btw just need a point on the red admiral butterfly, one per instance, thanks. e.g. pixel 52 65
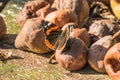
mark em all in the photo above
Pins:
pixel 55 37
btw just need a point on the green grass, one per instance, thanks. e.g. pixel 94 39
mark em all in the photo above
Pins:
pixel 10 13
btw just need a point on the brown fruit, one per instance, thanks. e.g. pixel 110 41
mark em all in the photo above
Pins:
pixel 107 2
pixel 98 11
pixel 115 6
pixel 82 34
pixel 61 17
pixel 112 62
pixel 74 55
pixel 33 9
pixel 80 7
pixel 2 27
pixel 102 28
pixel 31 37
pixel 101 11
pixel 97 51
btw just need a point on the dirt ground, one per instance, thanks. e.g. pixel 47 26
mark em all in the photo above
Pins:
pixel 24 65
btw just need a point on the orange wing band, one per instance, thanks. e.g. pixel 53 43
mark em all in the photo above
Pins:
pixel 51 29
pixel 49 45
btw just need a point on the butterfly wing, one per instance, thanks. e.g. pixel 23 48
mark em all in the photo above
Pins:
pixel 51 33
pixel 63 38
pixel 55 38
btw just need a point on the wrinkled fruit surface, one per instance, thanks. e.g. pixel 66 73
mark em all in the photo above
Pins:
pixel 112 62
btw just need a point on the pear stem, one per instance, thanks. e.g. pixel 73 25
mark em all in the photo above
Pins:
pixel 116 35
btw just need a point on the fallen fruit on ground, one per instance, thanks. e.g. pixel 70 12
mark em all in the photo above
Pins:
pixel 83 34
pixel 107 2
pixel 98 50
pixel 102 28
pixel 34 9
pixel 112 62
pixel 31 37
pixel 74 55
pixel 62 17
pixel 3 27
pixel 80 7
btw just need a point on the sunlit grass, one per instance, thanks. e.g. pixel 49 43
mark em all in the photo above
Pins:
pixel 10 13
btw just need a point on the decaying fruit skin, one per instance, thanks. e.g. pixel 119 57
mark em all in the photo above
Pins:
pixel 80 7
pixel 102 28
pixel 73 56
pixel 31 37
pixel 40 8
pixel 115 6
pixel 112 62
pixel 78 32
pixel 97 52
pixel 34 9
pixel 61 17
pixel 83 34
pixel 107 2
pixel 2 27
pixel 37 4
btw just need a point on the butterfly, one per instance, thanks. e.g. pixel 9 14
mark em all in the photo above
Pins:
pixel 55 37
